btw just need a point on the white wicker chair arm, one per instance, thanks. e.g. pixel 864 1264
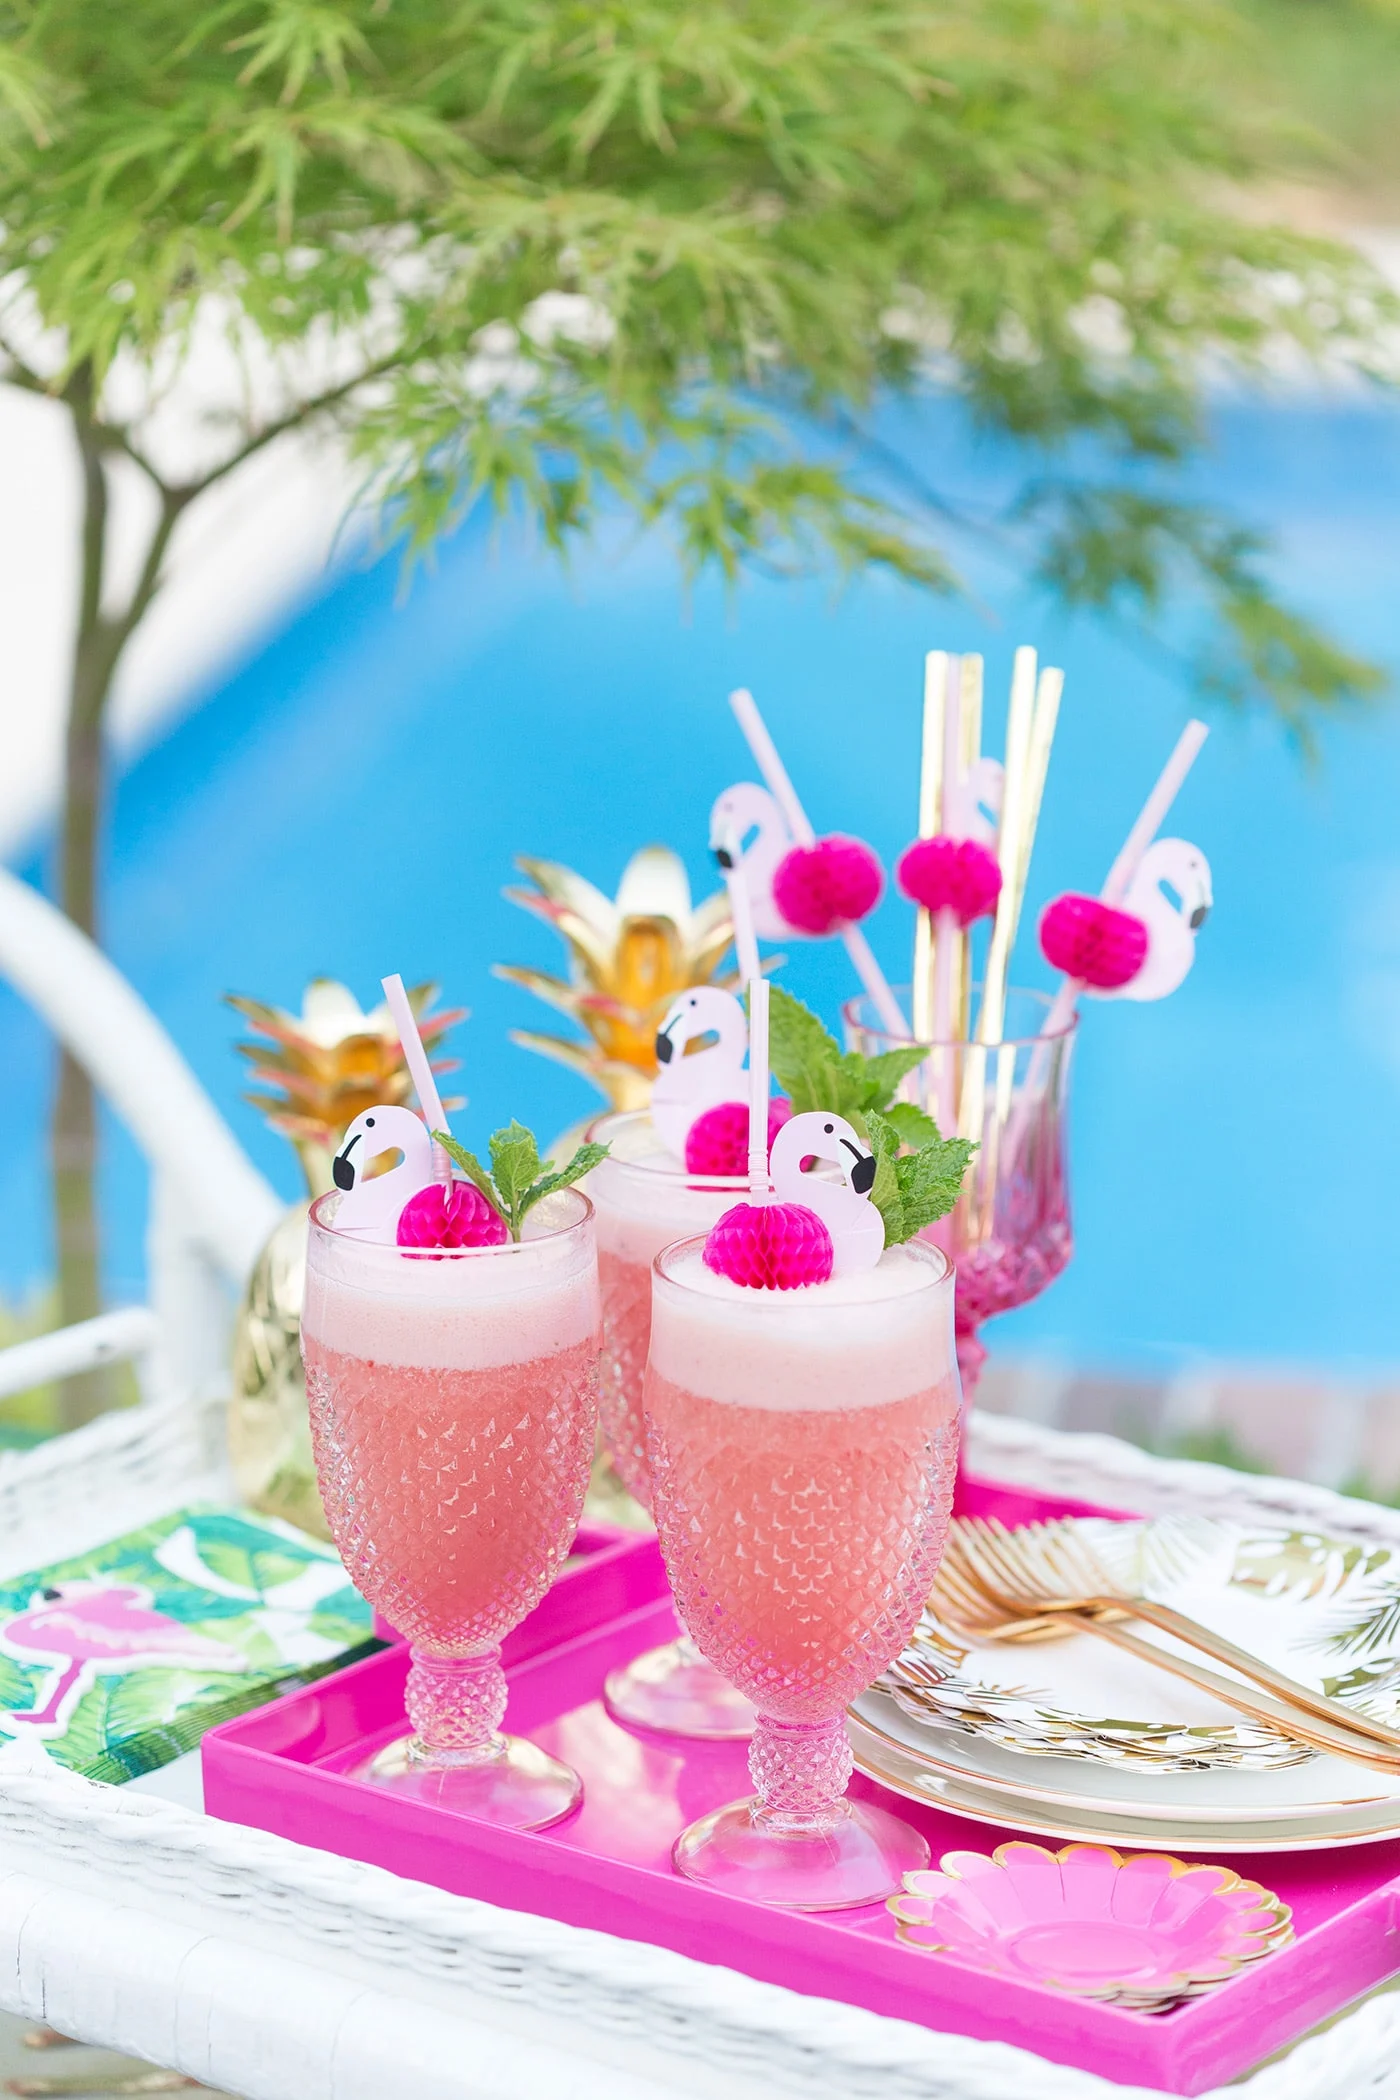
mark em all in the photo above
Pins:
pixel 113 1338
pixel 114 1035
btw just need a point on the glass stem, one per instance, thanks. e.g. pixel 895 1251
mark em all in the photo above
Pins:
pixel 800 1769
pixel 456 1705
pixel 972 1354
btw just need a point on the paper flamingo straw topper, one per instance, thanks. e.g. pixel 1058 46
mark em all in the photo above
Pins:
pixel 796 1229
pixel 416 1203
pixel 1137 938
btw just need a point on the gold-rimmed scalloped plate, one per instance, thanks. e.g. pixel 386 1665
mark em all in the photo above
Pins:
pixel 919 1775
pixel 1325 1611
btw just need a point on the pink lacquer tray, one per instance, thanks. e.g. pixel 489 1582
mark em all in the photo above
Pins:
pixel 282 1768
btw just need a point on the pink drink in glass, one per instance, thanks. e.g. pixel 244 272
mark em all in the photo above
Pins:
pixel 803 1448
pixel 645 1199
pixel 453 1399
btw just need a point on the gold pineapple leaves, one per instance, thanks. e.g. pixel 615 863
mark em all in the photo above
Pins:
pixel 321 1068
pixel 629 958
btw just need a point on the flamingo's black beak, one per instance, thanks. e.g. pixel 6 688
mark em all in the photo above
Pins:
pixel 342 1171
pixel 863 1175
pixel 50 1596
pixel 665 1049
pixel 1199 916
pixel 724 856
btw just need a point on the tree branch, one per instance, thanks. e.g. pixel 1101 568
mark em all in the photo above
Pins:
pixel 118 439
pixel 20 374
pixel 173 504
pixel 305 412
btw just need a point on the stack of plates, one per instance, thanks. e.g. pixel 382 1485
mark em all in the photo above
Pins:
pixel 1075 1739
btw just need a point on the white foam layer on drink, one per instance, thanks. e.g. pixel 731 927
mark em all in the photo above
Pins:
pixel 643 1195
pixel 477 1309
pixel 635 1224
pixel 858 1341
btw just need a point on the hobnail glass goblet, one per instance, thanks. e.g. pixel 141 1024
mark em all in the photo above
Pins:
pixel 454 1403
pixel 803 1445
pixel 645 1198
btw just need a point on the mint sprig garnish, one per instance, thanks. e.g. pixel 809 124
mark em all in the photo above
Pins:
pixel 519 1178
pixel 913 1188
pixel 815 1072
pixel 918 1173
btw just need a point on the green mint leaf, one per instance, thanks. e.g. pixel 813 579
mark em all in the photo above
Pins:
pixel 912 1189
pixel 930 1180
pixel 802 1057
pixel 915 1126
pixel 515 1165
pixel 814 1072
pixel 471 1166
pixel 795 1036
pixel 886 1071
pixel 518 1184
pixel 583 1162
pixel 885 1191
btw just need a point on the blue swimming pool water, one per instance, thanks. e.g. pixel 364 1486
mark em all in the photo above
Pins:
pixel 349 801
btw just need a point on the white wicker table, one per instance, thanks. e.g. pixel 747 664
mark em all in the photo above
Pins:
pixel 279 1972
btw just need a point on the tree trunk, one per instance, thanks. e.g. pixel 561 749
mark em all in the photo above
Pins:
pixel 100 639
pixel 73 1132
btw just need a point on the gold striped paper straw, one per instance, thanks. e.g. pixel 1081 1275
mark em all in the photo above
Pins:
pixel 992 1013
pixel 930 812
pixel 970 750
pixel 1049 689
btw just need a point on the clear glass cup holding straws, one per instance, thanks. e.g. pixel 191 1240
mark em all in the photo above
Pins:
pixel 645 1199
pixel 1009 1235
pixel 803 1447
pixel 454 1403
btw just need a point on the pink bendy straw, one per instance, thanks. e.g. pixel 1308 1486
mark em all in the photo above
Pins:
pixel 760 1175
pixel 725 847
pixel 780 787
pixel 1119 879
pixel 420 1071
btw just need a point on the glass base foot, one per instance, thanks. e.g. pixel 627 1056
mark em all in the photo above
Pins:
pixel 862 1858
pixel 674 1691
pixel 519 1787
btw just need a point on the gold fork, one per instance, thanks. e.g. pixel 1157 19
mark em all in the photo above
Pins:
pixel 997 1584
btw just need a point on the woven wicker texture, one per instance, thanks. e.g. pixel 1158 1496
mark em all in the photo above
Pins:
pixel 280 1973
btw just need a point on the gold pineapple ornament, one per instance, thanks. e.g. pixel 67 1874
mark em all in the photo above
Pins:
pixel 316 1071
pixel 629 958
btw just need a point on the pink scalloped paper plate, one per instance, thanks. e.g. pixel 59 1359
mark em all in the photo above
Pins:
pixel 1144 1931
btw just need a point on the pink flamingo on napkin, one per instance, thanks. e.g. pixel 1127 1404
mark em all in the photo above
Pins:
pixel 111 1626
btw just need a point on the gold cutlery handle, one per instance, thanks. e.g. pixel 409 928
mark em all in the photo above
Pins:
pixel 1214 1644
pixel 1259 1705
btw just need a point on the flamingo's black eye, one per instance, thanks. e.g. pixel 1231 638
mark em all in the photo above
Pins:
pixel 369 1122
pixel 50 1596
pixel 828 1128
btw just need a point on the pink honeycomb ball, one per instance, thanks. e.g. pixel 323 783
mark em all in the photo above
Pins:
pixel 459 1217
pixel 956 875
pixel 1088 939
pixel 718 1141
pixel 770 1246
pixel 832 883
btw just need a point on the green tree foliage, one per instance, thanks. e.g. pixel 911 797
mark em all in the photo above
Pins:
pixel 565 254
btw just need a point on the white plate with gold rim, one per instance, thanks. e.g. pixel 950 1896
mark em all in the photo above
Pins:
pixel 917 1776
pixel 1325 1612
